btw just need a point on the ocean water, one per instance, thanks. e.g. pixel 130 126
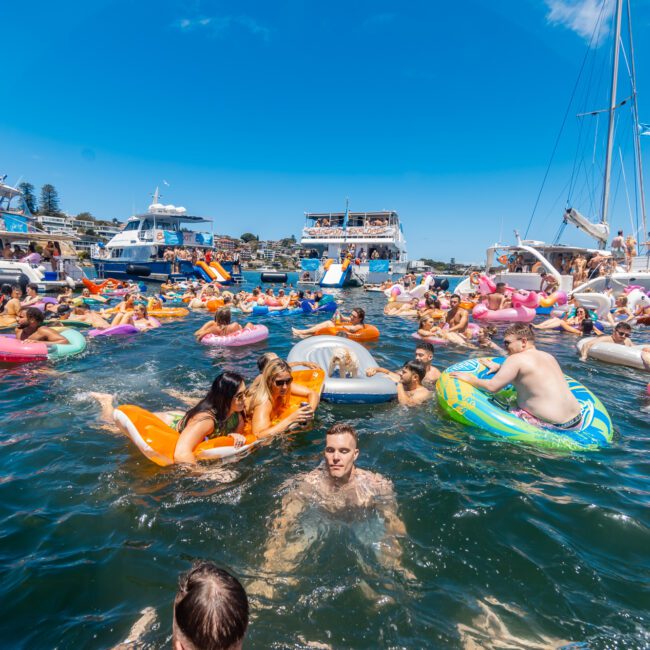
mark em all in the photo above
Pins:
pixel 510 546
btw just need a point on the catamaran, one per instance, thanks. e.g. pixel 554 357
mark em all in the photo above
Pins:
pixel 352 248
pixel 138 251
pixel 530 252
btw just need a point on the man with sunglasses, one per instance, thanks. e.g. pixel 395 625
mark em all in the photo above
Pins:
pixel 543 395
pixel 621 336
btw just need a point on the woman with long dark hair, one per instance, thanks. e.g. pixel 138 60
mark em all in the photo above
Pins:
pixel 219 413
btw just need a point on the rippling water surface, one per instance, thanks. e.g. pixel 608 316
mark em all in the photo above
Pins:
pixel 510 545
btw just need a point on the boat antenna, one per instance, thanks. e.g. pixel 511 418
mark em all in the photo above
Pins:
pixel 612 108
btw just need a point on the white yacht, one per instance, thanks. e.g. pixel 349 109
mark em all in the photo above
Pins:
pixel 352 248
pixel 18 229
pixel 138 250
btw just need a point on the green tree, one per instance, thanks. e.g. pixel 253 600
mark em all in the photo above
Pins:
pixel 91 232
pixel 49 203
pixel 249 237
pixel 27 190
pixel 85 216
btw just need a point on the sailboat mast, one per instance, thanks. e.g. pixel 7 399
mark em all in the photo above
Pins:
pixel 612 108
pixel 635 113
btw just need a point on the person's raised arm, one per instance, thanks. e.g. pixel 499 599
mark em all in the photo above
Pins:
pixel 262 426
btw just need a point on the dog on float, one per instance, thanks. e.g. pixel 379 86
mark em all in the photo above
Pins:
pixel 345 361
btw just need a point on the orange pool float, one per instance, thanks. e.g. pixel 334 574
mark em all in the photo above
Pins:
pixel 213 304
pixel 157 441
pixel 368 333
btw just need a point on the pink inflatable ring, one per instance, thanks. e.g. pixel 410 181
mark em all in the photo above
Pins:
pixel 244 337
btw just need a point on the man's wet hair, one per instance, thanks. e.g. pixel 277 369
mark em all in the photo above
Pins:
pixel 32 313
pixel 210 608
pixel 341 428
pixel 361 313
pixel 623 327
pixel 416 367
pixel 426 346
pixel 520 331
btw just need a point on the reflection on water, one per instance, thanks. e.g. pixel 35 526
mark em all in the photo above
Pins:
pixel 509 546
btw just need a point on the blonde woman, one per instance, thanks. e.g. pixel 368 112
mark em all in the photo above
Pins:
pixel 269 397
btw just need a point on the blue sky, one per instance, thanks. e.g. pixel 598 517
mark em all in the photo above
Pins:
pixel 255 112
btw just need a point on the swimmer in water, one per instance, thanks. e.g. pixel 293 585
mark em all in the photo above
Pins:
pixel 410 391
pixel 30 328
pixel 83 314
pixel 337 487
pixel 424 352
pixel 498 299
pixel 457 319
pixel 543 395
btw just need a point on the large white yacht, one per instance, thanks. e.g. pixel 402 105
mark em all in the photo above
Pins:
pixel 352 248
pixel 18 231
pixel 138 250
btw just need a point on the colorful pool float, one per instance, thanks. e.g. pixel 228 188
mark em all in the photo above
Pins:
pixel 14 351
pixel 157 441
pixel 473 407
pixel 366 333
pixel 244 337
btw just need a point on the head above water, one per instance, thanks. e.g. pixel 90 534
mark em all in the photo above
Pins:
pixel 518 337
pixel 341 451
pixel 424 352
pixel 358 314
pixel 30 316
pixel 222 316
pixel 210 610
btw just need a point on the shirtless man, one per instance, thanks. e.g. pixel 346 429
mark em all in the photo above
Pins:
pixel 410 391
pixel 30 328
pixel 9 315
pixel 337 487
pixel 457 318
pixel 402 308
pixel 620 335
pixel 543 395
pixel 498 299
pixel 353 323
pixel 424 355
pixel 32 296
pixel 83 314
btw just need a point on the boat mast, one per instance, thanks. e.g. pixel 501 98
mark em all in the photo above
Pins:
pixel 612 108
pixel 635 113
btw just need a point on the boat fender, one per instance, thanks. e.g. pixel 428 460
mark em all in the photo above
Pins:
pixel 274 277
pixel 138 269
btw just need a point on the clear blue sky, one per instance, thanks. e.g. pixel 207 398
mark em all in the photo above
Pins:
pixel 257 111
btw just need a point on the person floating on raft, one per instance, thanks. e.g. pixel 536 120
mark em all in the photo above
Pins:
pixel 543 395
pixel 345 325
pixel 222 325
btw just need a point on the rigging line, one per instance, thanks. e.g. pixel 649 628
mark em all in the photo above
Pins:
pixel 627 194
pixel 566 115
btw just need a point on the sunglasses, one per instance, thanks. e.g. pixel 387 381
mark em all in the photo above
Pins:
pixel 509 343
pixel 623 335
pixel 283 382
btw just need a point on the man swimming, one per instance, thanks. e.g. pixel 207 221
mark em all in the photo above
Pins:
pixel 457 318
pixel 410 391
pixel 30 327
pixel 543 395
pixel 423 354
pixel 337 488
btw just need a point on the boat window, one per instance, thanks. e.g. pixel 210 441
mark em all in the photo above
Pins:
pixel 146 224
pixel 132 225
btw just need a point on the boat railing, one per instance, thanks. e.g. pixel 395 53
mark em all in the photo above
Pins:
pixel 373 232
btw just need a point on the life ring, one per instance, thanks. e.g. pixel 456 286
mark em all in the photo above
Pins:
pixel 503 259
pixel 474 278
